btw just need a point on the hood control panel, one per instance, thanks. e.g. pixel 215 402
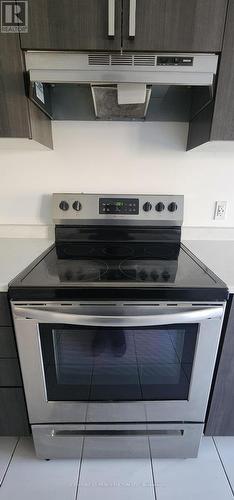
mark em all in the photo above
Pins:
pixel 174 61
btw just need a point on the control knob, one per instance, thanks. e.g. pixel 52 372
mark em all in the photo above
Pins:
pixel 160 207
pixel 147 206
pixel 77 206
pixel 64 205
pixel 165 275
pixel 154 275
pixel 172 207
pixel 143 275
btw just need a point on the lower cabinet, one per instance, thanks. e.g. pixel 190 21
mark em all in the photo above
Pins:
pixel 10 373
pixel 220 416
pixel 13 412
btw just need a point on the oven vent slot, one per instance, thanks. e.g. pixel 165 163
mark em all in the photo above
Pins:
pixel 29 304
pixel 98 304
pixel 202 304
pixel 111 433
pixel 142 305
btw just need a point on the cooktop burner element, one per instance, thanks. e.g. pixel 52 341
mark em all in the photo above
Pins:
pixel 139 270
pixel 85 270
pixel 121 247
pixel 149 270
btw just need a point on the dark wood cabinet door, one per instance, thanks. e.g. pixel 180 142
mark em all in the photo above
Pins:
pixel 176 25
pixel 220 418
pixel 13 412
pixel 19 117
pixel 5 314
pixel 223 119
pixel 71 25
pixel 14 120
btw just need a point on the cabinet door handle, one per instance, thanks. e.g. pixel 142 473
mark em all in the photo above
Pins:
pixel 132 18
pixel 111 18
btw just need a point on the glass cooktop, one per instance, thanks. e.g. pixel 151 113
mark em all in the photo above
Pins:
pixel 180 271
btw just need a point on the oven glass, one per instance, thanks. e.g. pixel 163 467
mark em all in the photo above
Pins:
pixel 118 364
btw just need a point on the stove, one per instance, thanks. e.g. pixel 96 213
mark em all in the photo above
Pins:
pixel 122 323
pixel 121 246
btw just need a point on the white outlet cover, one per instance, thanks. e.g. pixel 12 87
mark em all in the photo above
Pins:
pixel 220 210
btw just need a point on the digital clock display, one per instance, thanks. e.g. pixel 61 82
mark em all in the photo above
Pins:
pixel 124 206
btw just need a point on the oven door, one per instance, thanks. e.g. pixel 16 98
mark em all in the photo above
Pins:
pixel 117 363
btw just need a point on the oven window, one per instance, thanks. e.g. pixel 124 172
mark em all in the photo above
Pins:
pixel 118 364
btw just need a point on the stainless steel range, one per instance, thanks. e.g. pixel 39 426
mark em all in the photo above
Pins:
pixel 117 327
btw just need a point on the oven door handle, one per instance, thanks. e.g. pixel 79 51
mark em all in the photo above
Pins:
pixel 162 318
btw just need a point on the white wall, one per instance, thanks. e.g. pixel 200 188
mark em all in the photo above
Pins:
pixel 115 157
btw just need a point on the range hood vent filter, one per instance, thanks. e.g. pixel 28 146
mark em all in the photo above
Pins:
pixel 105 98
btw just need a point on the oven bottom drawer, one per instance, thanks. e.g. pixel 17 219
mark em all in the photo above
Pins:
pixel 166 440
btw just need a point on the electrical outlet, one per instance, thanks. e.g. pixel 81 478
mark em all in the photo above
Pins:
pixel 220 210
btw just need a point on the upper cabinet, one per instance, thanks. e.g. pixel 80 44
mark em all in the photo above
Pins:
pixel 174 25
pixel 223 118
pixel 134 25
pixel 73 25
pixel 13 108
pixel 215 122
pixel 19 117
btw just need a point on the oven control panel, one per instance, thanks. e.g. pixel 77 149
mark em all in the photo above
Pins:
pixel 81 208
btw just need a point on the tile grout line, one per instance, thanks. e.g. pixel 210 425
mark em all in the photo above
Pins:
pixel 152 470
pixel 10 460
pixel 223 466
pixel 79 471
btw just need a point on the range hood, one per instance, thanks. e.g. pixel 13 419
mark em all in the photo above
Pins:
pixel 70 85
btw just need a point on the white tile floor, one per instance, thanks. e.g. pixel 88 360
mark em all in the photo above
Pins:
pixel 24 477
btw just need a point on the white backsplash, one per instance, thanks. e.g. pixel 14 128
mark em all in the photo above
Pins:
pixel 114 157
